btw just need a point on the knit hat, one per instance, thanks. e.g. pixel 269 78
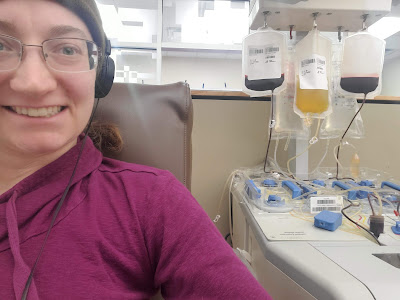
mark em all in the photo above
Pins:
pixel 88 12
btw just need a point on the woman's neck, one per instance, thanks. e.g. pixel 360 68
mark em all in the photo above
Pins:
pixel 14 166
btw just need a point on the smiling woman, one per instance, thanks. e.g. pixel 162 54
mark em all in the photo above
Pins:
pixel 74 224
pixel 32 84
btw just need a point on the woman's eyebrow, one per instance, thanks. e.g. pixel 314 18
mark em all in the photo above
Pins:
pixel 8 28
pixel 63 30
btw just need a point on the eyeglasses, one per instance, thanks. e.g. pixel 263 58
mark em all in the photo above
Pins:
pixel 70 55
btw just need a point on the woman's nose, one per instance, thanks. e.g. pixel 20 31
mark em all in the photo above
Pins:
pixel 33 78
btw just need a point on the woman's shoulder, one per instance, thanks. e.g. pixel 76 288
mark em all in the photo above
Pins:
pixel 133 189
pixel 131 179
pixel 127 170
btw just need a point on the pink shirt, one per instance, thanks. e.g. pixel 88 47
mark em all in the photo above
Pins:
pixel 124 231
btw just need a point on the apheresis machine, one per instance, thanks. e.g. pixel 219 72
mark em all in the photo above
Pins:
pixel 333 232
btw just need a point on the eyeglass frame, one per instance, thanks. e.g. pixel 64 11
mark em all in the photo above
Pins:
pixel 44 56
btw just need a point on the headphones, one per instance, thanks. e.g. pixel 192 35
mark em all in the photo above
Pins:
pixel 105 77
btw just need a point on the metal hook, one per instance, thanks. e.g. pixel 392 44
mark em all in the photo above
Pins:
pixel 266 13
pixel 291 31
pixel 340 33
pixel 315 15
pixel 364 17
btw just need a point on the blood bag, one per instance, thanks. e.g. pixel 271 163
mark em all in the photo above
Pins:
pixel 313 67
pixel 362 63
pixel 263 62
pixel 287 123
pixel 343 110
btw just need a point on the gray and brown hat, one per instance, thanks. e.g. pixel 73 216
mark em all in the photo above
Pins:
pixel 88 12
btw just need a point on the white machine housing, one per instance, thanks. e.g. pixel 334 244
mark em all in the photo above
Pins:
pixel 332 14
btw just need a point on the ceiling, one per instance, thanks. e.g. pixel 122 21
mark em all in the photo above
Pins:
pixel 392 43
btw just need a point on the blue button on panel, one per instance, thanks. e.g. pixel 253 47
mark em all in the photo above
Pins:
pixel 294 188
pixel 269 183
pixel 319 182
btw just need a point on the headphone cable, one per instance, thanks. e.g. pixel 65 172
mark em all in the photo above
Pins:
pixel 58 208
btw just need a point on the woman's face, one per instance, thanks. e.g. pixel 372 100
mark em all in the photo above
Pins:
pixel 34 86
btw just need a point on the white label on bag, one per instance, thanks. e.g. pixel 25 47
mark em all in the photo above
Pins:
pixel 350 103
pixel 330 203
pixel 264 62
pixel 313 73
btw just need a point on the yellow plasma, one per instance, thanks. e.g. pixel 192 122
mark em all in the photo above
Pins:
pixel 311 101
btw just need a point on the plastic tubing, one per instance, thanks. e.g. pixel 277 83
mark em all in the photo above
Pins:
pixel 288 141
pixel 358 211
pixel 309 146
pixel 343 144
pixel 364 188
pixel 276 161
pixel 334 154
pixel 391 204
pixel 230 182
pixel 323 157
pixel 380 202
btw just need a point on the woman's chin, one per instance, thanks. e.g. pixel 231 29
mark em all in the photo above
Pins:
pixel 45 144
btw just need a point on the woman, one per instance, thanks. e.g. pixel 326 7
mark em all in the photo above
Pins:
pixel 124 230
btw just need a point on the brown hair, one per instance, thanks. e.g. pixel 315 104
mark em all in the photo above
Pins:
pixel 106 137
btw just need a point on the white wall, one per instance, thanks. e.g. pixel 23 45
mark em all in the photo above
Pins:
pixel 213 72
pixel 391 78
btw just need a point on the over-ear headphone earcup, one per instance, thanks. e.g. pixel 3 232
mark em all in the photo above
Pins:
pixel 91 62
pixel 105 78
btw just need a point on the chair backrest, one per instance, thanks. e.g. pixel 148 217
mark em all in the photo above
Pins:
pixel 156 125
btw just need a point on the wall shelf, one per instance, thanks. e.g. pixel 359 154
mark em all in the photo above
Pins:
pixel 238 95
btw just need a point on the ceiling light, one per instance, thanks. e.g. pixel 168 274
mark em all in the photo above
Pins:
pixel 111 20
pixel 385 27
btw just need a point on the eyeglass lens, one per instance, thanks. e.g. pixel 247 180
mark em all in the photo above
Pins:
pixel 61 54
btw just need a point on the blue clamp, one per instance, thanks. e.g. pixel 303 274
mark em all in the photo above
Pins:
pixel 252 190
pixel 319 182
pixel 306 189
pixel 391 198
pixel 366 183
pixel 360 193
pixel 352 195
pixel 269 183
pixel 396 229
pixel 391 185
pixel 274 200
pixel 294 188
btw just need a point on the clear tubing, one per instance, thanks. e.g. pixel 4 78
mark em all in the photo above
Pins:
pixel 323 157
pixel 344 134
pixel 276 161
pixel 391 204
pixel 334 154
pixel 288 141
pixel 315 137
pixel 276 149
pixel 380 203
pixel 271 127
pixel 218 216
pixel 364 188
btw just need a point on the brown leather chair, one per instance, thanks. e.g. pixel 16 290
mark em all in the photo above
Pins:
pixel 156 125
